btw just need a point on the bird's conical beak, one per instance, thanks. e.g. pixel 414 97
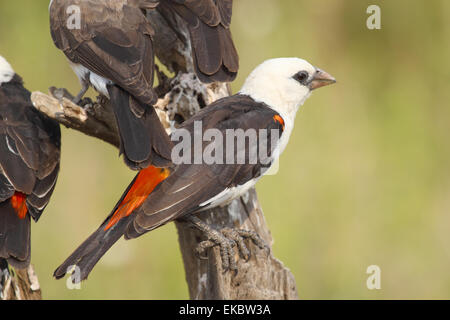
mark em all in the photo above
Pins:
pixel 321 79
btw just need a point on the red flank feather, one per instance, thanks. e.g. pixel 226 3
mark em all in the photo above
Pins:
pixel 145 183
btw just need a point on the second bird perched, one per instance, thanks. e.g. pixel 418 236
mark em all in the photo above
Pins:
pixel 30 145
pixel 112 50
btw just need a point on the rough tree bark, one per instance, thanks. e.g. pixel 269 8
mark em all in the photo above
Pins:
pixel 19 284
pixel 262 276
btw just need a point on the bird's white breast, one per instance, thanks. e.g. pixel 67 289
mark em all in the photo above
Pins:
pixel 228 195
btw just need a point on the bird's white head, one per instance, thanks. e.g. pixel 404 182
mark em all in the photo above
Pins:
pixel 284 84
pixel 6 71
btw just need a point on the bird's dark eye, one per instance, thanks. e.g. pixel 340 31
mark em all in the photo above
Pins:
pixel 302 77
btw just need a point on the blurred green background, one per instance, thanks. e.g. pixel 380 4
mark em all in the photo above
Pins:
pixel 365 179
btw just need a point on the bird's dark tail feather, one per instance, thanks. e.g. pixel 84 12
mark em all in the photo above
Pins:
pixel 15 244
pixel 86 256
pixel 144 141
pixel 90 251
pixel 215 56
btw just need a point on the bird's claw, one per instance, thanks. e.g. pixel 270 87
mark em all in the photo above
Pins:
pixel 202 247
pixel 227 239
pixel 85 103
pixel 256 239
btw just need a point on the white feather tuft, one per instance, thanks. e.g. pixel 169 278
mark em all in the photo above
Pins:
pixel 6 71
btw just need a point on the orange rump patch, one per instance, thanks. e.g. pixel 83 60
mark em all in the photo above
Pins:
pixel 279 119
pixel 19 203
pixel 145 183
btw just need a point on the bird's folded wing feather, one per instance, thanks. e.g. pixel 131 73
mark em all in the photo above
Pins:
pixel 191 186
pixel 29 154
pixel 114 41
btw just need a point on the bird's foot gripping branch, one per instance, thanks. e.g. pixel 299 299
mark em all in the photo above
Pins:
pixel 227 239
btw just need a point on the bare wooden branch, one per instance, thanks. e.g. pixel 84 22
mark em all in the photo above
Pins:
pixel 94 119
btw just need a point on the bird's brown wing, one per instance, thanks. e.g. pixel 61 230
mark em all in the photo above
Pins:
pixel 213 50
pixel 205 10
pixel 114 41
pixel 29 166
pixel 211 12
pixel 226 11
pixel 191 187
pixel 29 151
